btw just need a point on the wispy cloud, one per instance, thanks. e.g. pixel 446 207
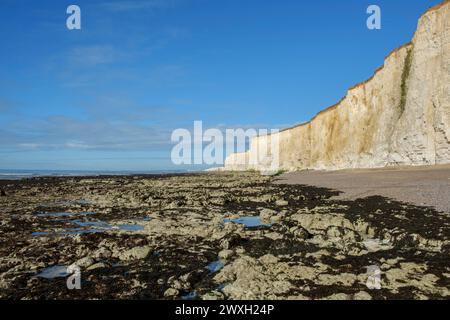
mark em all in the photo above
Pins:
pixel 121 6
pixel 109 122
pixel 62 132
pixel 5 105
pixel 93 55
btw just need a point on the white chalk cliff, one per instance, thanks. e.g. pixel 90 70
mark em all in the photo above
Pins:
pixel 400 116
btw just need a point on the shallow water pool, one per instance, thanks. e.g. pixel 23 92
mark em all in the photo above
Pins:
pixel 54 272
pixel 88 226
pixel 249 222
pixel 215 266
pixel 63 214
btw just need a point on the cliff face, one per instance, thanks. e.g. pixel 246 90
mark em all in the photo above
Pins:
pixel 400 116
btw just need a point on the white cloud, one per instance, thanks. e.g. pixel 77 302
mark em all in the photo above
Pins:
pixel 120 5
pixel 61 132
pixel 73 144
pixel 93 55
pixel 29 145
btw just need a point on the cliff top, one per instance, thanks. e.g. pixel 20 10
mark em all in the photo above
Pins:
pixel 333 107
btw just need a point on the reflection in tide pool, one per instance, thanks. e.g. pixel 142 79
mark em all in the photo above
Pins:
pixel 249 222
pixel 215 266
pixel 63 214
pixel 130 227
pixel 190 296
pixel 96 224
pixel 90 226
pixel 54 272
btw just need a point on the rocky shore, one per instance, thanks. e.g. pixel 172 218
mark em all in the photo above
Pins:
pixel 215 236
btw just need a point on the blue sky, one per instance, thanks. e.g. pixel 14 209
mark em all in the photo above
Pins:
pixel 107 97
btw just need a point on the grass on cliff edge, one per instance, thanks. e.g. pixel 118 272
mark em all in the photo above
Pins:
pixel 404 84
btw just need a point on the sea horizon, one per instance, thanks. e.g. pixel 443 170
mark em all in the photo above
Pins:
pixel 18 174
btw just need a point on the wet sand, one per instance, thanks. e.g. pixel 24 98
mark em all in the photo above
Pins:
pixel 422 186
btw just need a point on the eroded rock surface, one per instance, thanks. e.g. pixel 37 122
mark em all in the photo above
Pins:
pixel 215 236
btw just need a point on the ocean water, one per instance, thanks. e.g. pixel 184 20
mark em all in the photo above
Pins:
pixel 22 174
